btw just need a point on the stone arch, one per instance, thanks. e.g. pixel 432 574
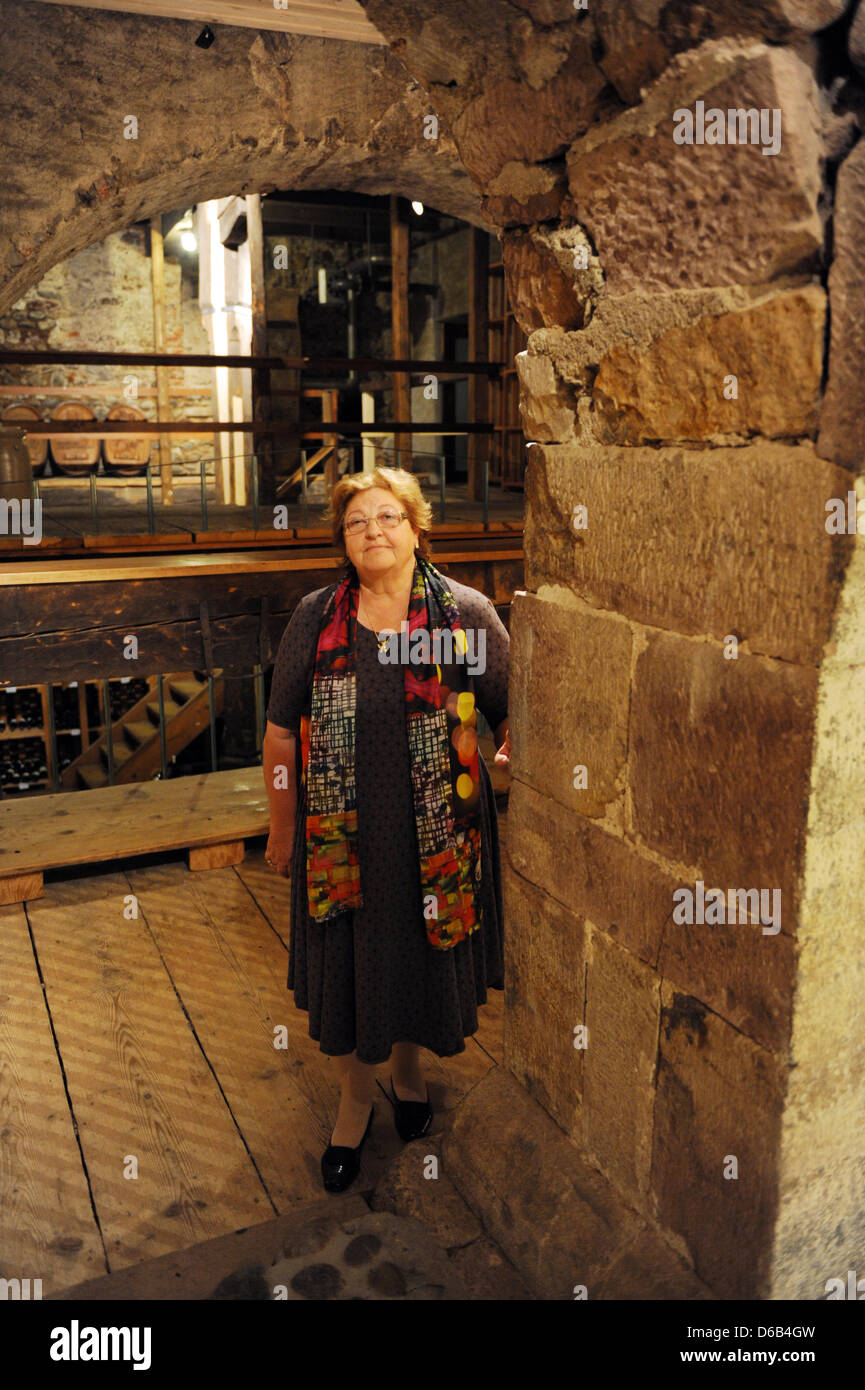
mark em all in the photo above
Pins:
pixel 245 115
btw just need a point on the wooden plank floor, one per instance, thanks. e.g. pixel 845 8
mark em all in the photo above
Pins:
pixel 143 1104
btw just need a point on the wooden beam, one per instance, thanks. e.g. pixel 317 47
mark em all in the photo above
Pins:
pixel 124 429
pixel 21 888
pixel 56 358
pixel 325 19
pixel 479 259
pixel 216 856
pixel 401 346
pixel 157 276
pixel 262 410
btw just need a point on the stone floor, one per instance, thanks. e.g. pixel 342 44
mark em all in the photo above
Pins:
pixel 412 1237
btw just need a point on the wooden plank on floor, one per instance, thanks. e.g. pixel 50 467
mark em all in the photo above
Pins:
pixel 19 888
pixel 135 818
pixel 270 891
pixel 47 1227
pixel 137 1080
pixel 215 945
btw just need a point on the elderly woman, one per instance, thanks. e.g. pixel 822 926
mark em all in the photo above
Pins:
pixel 387 823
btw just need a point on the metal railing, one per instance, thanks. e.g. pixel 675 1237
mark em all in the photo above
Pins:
pixel 260 696
pixel 252 461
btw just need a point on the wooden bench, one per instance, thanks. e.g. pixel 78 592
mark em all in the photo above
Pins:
pixel 211 816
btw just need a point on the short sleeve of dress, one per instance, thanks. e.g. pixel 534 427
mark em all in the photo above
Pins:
pixel 491 682
pixel 293 668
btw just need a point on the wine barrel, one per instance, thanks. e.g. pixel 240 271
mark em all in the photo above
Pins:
pixel 37 444
pixel 126 457
pixel 73 456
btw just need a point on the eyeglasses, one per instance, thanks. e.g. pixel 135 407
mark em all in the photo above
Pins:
pixel 387 520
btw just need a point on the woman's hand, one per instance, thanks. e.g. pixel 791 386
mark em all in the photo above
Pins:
pixel 280 847
pixel 503 756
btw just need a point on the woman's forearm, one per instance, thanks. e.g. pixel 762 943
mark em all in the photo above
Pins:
pixel 501 732
pixel 278 764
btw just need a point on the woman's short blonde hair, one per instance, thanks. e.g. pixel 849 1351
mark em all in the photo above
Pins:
pixel 405 488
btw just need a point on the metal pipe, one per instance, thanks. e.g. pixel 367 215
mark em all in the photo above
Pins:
pixel 151 521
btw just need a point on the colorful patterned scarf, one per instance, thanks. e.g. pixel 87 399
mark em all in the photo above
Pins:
pixel 441 724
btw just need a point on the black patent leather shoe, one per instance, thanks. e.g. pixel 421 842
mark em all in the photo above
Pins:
pixel 340 1165
pixel 411 1117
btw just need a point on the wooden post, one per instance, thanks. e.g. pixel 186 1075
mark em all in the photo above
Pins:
pixel 479 395
pixel 400 325
pixel 163 394
pixel 262 410
pixel 329 410
pixel 367 415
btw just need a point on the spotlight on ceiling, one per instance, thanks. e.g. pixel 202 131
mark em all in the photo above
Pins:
pixel 205 38
pixel 418 208
pixel 188 241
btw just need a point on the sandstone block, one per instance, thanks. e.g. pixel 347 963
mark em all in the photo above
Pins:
pixel 664 215
pixel 719 1098
pixel 842 421
pixel 757 371
pixel 539 291
pixel 570 730
pixel 546 410
pixel 821 1222
pixel 720 763
pixel 554 1217
pixel 545 970
pixel 622 1013
pixel 744 976
pixel 648 1269
pixel 525 193
pixel 548 11
pixel 856 40
pixel 641 35
pixel 597 875
pixel 404 1190
pixel 485 1271
pixel 701 542
pixel 540 121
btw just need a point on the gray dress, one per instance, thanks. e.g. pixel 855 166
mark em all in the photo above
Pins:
pixel 370 978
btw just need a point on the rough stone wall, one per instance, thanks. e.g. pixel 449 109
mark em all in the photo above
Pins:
pixel 693 641
pixel 254 112
pixel 101 299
